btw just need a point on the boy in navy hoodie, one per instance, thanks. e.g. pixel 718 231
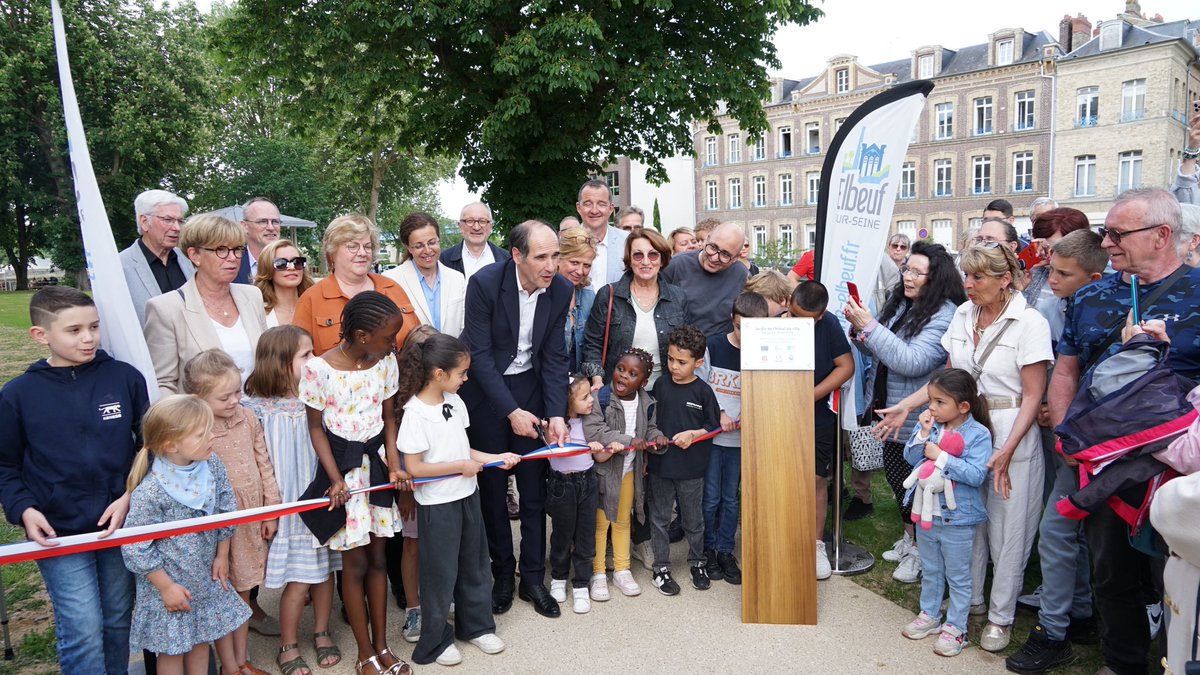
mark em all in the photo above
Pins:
pixel 69 429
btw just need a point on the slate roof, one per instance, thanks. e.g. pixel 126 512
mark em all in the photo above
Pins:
pixel 1137 36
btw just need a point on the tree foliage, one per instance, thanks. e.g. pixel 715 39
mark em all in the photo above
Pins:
pixel 146 93
pixel 533 95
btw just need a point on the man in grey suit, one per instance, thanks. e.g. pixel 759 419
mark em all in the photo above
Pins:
pixel 152 264
pixel 595 206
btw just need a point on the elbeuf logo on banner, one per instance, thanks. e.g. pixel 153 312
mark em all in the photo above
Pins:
pixel 858 196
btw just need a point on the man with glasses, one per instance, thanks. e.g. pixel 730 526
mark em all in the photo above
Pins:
pixel 711 279
pixel 262 222
pixel 152 263
pixel 1139 234
pixel 474 252
pixel 595 206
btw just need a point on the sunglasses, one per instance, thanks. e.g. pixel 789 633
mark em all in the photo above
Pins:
pixel 1115 235
pixel 639 256
pixel 296 263
pixel 900 247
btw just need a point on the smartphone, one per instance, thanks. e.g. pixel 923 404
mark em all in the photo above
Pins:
pixel 853 289
pixel 1133 293
pixel 1029 257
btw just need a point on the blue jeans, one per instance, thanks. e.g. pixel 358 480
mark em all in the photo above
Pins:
pixel 92 594
pixel 946 560
pixel 1066 567
pixel 721 506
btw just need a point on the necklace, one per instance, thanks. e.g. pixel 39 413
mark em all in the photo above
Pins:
pixel 643 303
pixel 224 312
pixel 358 364
pixel 979 314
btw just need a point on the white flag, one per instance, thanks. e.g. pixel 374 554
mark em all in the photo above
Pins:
pixel 121 333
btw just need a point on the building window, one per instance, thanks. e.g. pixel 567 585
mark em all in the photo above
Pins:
pixel 785 141
pixel 735 193
pixel 614 182
pixel 944 114
pixel 760 191
pixel 1024 118
pixel 810 236
pixel 710 151
pixel 981 175
pixel 943 178
pixel 1087 107
pixel 1004 52
pixel 710 198
pixel 1085 176
pixel 787 240
pixel 908 227
pixel 785 189
pixel 813 180
pixel 925 66
pixel 812 136
pixel 760 149
pixel 837 124
pixel 1022 171
pixel 760 238
pixel 735 148
pixel 943 232
pixel 1133 100
pixel 983 116
pixel 908 181
pixel 842 76
pixel 1131 170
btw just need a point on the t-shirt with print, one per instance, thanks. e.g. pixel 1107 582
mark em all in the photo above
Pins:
pixel 829 342
pixel 722 370
pixel 440 432
pixel 682 407
pixel 1105 303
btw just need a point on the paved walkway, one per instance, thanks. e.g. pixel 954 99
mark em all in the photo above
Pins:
pixel 857 632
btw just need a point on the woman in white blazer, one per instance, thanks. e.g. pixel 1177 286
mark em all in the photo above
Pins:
pixel 209 311
pixel 437 292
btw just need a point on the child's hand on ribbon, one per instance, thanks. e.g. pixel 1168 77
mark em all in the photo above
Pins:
pixel 596 447
pixel 337 494
pixel 684 438
pixel 402 479
pixel 470 467
pixel 727 422
pixel 510 459
pixel 639 444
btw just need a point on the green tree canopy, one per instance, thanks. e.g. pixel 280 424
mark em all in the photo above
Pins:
pixel 532 95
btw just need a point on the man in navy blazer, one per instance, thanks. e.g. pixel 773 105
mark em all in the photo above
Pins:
pixel 516 311
pixel 474 252
pixel 261 220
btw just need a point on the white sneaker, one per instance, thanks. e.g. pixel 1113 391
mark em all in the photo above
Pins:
pixel 909 569
pixel 625 583
pixel 450 614
pixel 644 554
pixel 489 643
pixel 823 567
pixel 899 549
pixel 583 604
pixel 994 638
pixel 558 590
pixel 599 587
pixel 921 627
pixel 450 656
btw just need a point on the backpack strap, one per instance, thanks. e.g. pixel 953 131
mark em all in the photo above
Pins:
pixel 1114 332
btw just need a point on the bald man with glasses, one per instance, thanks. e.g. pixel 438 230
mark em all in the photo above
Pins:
pixel 711 279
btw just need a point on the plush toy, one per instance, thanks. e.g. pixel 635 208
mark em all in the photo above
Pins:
pixel 930 481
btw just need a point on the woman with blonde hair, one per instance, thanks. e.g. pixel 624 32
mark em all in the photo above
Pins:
pixel 576 252
pixel 1005 343
pixel 282 277
pixel 349 247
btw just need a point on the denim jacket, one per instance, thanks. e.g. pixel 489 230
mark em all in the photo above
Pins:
pixel 671 311
pixel 576 325
pixel 968 472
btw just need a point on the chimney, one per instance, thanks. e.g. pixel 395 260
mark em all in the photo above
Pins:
pixel 1081 31
pixel 1064 33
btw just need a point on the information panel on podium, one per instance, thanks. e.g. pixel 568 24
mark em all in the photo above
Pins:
pixel 778 468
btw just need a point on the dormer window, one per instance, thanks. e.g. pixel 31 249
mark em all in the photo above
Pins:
pixel 925 66
pixel 1004 52
pixel 842 80
pixel 1110 35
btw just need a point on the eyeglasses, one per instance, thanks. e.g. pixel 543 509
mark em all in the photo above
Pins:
pixel 987 243
pixel 355 247
pixel 907 271
pixel 421 246
pixel 588 205
pixel 1115 235
pixel 639 256
pixel 297 263
pixel 263 222
pixel 177 222
pixel 475 222
pixel 223 252
pixel 713 249
pixel 900 247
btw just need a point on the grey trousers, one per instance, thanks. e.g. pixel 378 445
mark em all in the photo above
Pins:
pixel 1066 566
pixel 455 567
pixel 663 492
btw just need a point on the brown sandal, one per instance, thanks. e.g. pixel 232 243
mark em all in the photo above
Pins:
pixel 330 651
pixel 290 667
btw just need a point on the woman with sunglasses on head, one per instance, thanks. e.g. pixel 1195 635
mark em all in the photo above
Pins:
pixel 209 311
pixel 282 277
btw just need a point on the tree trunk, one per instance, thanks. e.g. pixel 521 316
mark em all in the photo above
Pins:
pixel 378 168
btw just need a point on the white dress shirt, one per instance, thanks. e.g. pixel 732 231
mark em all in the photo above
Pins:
pixel 471 264
pixel 599 273
pixel 527 305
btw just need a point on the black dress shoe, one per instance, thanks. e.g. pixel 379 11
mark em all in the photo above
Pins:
pixel 502 595
pixel 858 510
pixel 542 601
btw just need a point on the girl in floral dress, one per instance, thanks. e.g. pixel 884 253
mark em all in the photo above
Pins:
pixel 350 394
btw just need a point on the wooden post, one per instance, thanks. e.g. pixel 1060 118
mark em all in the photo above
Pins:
pixel 778 468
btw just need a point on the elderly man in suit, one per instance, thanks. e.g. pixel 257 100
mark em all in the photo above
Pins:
pixel 516 311
pixel 152 263
pixel 595 206
pixel 261 220
pixel 474 252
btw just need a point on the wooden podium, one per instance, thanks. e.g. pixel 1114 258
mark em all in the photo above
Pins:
pixel 778 469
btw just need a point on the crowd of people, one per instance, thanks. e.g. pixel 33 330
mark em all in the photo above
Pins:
pixel 614 341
